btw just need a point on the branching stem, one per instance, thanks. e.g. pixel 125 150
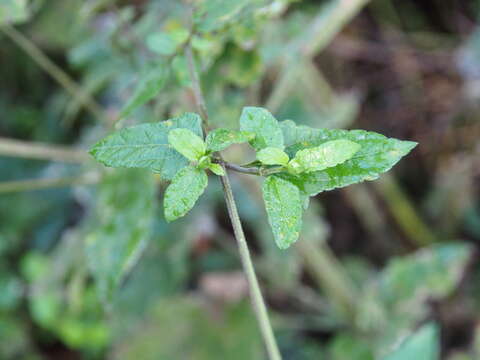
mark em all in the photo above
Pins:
pixel 254 287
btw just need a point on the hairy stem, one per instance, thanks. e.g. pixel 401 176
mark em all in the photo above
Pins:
pixel 55 72
pixel 254 287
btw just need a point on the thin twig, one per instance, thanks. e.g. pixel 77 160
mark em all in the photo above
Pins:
pixel 255 292
pixel 40 184
pixel 197 90
pixel 30 150
pixel 56 72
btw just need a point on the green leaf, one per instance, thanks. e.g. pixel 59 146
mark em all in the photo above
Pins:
pixel 187 143
pixel 183 192
pixel 321 157
pixel 377 155
pixel 284 208
pixel 215 14
pixel 167 43
pixel 423 344
pixel 272 156
pixel 13 11
pixel 148 87
pixel 265 127
pixel 220 139
pixel 161 43
pixel 147 146
pixel 217 169
pixel 121 229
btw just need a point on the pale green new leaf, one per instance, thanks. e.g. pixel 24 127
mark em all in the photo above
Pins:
pixel 265 127
pixel 377 155
pixel 149 85
pixel 423 344
pixel 220 139
pixel 283 203
pixel 147 146
pixel 121 226
pixel 183 192
pixel 167 43
pixel 217 169
pixel 13 11
pixel 321 157
pixel 187 143
pixel 272 156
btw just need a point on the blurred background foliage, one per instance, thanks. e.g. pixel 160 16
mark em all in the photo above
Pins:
pixel 384 270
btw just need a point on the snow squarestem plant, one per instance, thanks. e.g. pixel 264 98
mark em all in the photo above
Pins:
pixel 297 162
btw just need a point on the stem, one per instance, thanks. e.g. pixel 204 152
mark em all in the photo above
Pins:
pixel 253 170
pixel 254 287
pixel 197 90
pixel 255 292
pixel 29 150
pixel 55 72
pixel 39 184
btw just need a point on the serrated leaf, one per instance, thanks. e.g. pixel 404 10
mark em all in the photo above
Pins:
pixel 423 344
pixel 122 224
pixel 283 203
pixel 220 139
pixel 187 143
pixel 265 127
pixel 149 85
pixel 147 146
pixel 217 169
pixel 272 156
pixel 321 157
pixel 377 154
pixel 183 192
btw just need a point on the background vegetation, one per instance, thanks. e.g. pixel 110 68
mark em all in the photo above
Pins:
pixel 376 262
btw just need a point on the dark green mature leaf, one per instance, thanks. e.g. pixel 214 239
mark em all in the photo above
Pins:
pixel 220 139
pixel 125 209
pixel 377 155
pixel 284 208
pixel 265 127
pixel 423 344
pixel 321 157
pixel 148 87
pixel 272 156
pixel 187 143
pixel 146 146
pixel 183 192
